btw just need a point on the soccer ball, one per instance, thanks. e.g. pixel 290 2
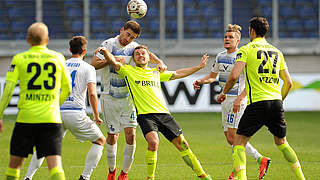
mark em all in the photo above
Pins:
pixel 137 9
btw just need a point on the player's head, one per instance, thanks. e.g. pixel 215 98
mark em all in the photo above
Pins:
pixel 129 32
pixel 38 34
pixel 141 56
pixel 78 45
pixel 259 27
pixel 232 36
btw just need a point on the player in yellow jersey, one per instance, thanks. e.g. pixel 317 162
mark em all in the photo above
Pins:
pixel 44 84
pixel 263 66
pixel 153 116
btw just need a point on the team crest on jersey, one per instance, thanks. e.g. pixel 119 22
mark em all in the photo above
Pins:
pixel 11 69
pixel 239 55
pixel 137 82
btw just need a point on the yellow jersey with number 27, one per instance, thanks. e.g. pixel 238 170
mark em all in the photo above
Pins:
pixel 263 64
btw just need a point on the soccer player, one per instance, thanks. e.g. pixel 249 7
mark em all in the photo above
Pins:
pixel 264 66
pixel 117 107
pixel 73 109
pixel 144 87
pixel 44 84
pixel 234 106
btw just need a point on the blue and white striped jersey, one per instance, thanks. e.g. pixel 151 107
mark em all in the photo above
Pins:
pixel 223 66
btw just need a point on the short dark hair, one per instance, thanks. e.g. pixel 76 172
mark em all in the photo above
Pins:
pixel 77 44
pixel 140 47
pixel 134 26
pixel 260 25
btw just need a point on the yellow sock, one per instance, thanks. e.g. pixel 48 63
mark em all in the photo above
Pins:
pixel 12 174
pixel 239 162
pixel 292 159
pixel 151 160
pixel 57 173
pixel 191 160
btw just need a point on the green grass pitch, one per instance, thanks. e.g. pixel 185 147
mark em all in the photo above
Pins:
pixel 204 133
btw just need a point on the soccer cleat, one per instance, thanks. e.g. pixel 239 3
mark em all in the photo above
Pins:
pixel 123 176
pixel 81 178
pixel 231 176
pixel 265 162
pixel 26 179
pixel 112 175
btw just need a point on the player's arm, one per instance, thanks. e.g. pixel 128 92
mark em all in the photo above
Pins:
pixel 232 79
pixel 205 80
pixel 287 83
pixel 96 62
pixel 238 100
pixel 93 100
pixel 5 99
pixel 160 64
pixel 181 73
pixel 66 87
pixel 111 59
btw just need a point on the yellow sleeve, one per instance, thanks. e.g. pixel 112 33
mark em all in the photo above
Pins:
pixel 283 64
pixel 242 54
pixel 13 72
pixel 166 75
pixel 6 96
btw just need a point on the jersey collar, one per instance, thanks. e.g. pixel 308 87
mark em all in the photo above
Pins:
pixel 38 47
pixel 259 39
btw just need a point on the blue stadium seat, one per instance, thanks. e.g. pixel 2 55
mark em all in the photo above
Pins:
pixel 265 3
pixel 96 12
pixel 172 25
pixel 99 35
pixel 191 12
pixel 299 35
pixel 4 36
pixel 214 25
pixel 14 12
pixel 4 26
pixel 111 3
pixel 74 13
pixel 313 35
pixel 171 35
pixel 306 12
pixel 154 25
pixel 199 35
pixel 311 25
pixel 76 26
pixel 98 25
pixel 18 26
pixel 209 12
pixel 112 12
pixel 153 12
pixel 194 25
pixel 266 11
pixel 19 35
pixel 294 25
pixel 171 12
pixel 287 12
pixel 115 26
pixel 72 3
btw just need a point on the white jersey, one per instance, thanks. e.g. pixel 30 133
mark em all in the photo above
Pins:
pixel 111 82
pixel 223 66
pixel 82 73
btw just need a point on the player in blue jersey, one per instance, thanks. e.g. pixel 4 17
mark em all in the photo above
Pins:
pixel 118 110
pixel 234 106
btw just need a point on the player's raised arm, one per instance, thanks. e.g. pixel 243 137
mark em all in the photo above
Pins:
pixel 98 61
pixel 161 66
pixel 181 73
pixel 110 59
pixel 205 80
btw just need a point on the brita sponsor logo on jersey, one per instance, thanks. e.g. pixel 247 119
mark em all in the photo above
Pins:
pixel 148 83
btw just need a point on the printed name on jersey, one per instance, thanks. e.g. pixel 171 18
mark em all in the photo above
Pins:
pixel 11 69
pixel 39 97
pixel 274 80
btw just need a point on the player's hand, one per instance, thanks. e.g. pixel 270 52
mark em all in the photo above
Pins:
pixel 221 97
pixel 98 120
pixel 204 61
pixel 196 84
pixel 161 66
pixel 120 59
pixel 236 105
pixel 1 125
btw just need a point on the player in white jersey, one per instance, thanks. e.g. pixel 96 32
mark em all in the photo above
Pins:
pixel 118 110
pixel 234 106
pixel 73 112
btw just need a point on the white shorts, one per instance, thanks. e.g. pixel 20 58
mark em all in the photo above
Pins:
pixel 230 119
pixel 118 113
pixel 80 125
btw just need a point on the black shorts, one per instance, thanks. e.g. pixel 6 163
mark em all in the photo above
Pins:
pixel 46 137
pixel 159 122
pixel 269 113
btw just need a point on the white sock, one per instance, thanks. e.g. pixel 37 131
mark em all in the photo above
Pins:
pixel 112 156
pixel 92 160
pixel 252 152
pixel 128 156
pixel 34 165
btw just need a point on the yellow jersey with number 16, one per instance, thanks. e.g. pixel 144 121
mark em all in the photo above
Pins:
pixel 40 72
pixel 263 64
